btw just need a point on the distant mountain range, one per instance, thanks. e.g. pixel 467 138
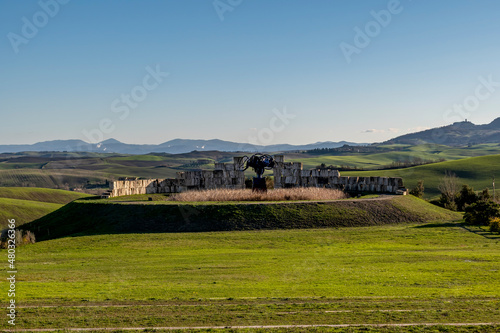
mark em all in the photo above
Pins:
pixel 458 134
pixel 176 146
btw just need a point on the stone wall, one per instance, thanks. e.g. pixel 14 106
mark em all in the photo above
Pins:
pixel 225 175
pixel 290 174
pixel 230 176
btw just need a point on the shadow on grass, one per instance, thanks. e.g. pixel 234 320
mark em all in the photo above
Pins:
pixel 480 232
pixel 470 228
pixel 440 225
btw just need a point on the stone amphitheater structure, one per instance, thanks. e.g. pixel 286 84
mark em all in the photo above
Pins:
pixel 231 176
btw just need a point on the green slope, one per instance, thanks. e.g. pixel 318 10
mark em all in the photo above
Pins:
pixel 87 217
pixel 40 194
pixel 28 204
pixel 475 171
pixel 24 211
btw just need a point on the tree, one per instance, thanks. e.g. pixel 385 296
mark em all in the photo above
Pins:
pixel 485 195
pixel 418 190
pixel 466 196
pixel 449 189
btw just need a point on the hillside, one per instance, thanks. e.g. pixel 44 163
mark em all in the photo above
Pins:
pixel 28 204
pixel 40 194
pixel 458 134
pixel 477 172
pixel 88 217
pixel 383 156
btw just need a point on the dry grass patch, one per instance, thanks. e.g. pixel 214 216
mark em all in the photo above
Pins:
pixel 293 194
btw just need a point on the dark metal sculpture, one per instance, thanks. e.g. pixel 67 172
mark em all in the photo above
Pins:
pixel 259 163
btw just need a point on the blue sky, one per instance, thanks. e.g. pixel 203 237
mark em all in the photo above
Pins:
pixel 255 71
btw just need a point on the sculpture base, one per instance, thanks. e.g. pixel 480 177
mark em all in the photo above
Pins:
pixel 259 185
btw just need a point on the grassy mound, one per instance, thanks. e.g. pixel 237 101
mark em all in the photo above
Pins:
pixel 28 204
pixel 89 217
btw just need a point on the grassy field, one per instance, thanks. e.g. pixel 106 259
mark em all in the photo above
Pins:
pixel 435 273
pixel 475 171
pixel 28 204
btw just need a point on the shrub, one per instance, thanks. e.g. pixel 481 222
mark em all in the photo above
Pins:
pixel 22 238
pixel 495 224
pixel 418 190
pixel 447 202
pixel 481 212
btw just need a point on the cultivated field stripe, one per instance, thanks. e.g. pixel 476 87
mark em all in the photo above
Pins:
pixel 249 327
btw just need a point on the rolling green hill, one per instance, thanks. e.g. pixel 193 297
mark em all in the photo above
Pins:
pixel 88 217
pixel 93 171
pixel 28 204
pixel 384 155
pixel 475 171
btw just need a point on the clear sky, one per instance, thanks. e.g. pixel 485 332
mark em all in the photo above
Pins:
pixel 259 71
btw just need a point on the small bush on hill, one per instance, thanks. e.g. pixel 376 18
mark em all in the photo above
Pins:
pixel 418 190
pixel 481 212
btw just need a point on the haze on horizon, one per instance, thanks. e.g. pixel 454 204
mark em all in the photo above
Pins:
pixel 146 72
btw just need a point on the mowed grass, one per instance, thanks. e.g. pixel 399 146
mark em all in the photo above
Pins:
pixel 28 204
pixel 438 273
pixel 420 260
pixel 477 172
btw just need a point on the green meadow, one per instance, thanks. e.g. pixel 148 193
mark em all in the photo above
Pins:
pixel 437 273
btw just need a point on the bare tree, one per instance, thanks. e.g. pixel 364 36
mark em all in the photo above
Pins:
pixel 449 187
